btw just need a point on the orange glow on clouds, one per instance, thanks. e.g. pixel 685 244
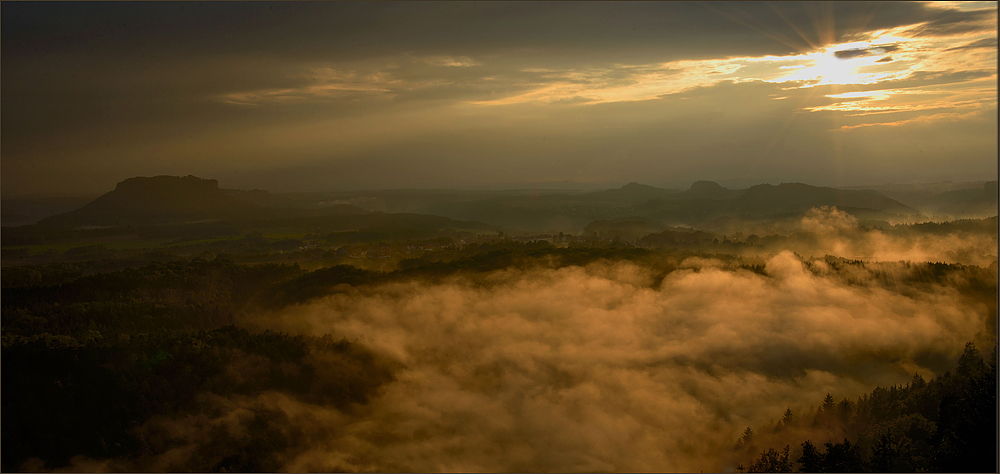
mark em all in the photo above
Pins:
pixel 884 57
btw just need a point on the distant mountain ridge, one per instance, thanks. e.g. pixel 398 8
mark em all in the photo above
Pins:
pixel 170 200
pixel 765 199
pixel 969 199
pixel 709 190
pixel 29 210
pixel 629 193
pixel 703 201
pixel 159 200
pixel 970 203
pixel 707 201
pixel 760 199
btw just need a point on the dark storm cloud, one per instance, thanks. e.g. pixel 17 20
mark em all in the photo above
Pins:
pixel 344 28
pixel 350 30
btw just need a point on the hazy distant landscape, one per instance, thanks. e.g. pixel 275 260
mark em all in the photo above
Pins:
pixel 499 237
pixel 319 323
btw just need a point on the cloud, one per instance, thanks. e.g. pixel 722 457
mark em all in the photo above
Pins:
pixel 610 367
pixel 854 65
pixel 946 116
pixel 650 365
pixel 858 52
pixel 989 43
pixel 831 231
pixel 828 220
pixel 163 82
pixel 944 21
pixel 324 84
pixel 346 31
pixel 449 61
pixel 839 233
pixel 574 100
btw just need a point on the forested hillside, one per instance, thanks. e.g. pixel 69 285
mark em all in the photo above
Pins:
pixel 120 359
pixel 947 424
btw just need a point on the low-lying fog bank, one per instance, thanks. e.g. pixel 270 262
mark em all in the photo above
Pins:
pixel 604 368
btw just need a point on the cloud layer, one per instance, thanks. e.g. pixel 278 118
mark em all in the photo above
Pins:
pixel 838 233
pixel 309 97
pixel 608 367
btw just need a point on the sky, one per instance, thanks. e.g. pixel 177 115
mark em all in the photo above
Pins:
pixel 331 96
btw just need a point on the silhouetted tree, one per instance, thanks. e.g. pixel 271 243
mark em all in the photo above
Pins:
pixel 970 363
pixel 826 413
pixel 842 457
pixel 844 411
pixel 787 418
pixel 771 461
pixel 884 454
pixel 811 460
pixel 965 439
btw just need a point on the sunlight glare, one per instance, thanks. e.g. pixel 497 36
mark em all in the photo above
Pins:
pixel 829 68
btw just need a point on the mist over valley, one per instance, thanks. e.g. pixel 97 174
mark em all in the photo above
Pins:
pixel 499 237
pixel 348 338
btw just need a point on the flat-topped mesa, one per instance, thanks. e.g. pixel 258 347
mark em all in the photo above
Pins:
pixel 706 186
pixel 157 200
pixel 709 190
pixel 636 186
pixel 167 183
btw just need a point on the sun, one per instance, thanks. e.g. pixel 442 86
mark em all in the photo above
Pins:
pixel 829 69
pixel 840 65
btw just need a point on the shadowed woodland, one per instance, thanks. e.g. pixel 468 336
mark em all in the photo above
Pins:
pixel 111 357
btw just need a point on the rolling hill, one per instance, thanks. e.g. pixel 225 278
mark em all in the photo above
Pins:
pixel 704 200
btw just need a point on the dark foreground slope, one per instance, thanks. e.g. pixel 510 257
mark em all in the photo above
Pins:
pixel 163 368
pixel 91 366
